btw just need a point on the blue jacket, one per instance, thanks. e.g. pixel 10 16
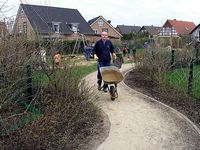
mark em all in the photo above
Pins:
pixel 103 50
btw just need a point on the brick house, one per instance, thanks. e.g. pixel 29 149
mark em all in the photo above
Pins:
pixel 34 21
pixel 99 24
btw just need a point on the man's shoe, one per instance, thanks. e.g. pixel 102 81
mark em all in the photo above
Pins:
pixel 99 84
pixel 105 90
pixel 99 87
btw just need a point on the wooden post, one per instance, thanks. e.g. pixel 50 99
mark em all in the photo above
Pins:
pixel 172 58
pixel 29 84
pixel 190 78
pixel 134 54
pixel 197 61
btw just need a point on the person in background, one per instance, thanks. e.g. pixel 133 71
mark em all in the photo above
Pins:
pixel 102 53
pixel 87 52
pixel 57 58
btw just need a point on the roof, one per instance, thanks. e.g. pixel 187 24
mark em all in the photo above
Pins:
pixel 41 17
pixel 181 27
pixel 152 30
pixel 195 28
pixel 126 29
pixel 93 20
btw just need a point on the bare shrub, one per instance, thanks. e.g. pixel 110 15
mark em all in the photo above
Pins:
pixel 155 62
pixel 183 57
pixel 57 114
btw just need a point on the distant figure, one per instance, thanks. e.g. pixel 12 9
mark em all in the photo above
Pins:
pixel 151 42
pixel 43 55
pixel 124 50
pixel 57 58
pixel 88 52
pixel 145 45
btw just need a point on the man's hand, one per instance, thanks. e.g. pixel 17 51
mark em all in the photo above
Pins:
pixel 114 56
pixel 95 57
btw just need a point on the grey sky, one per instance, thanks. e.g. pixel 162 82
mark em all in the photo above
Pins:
pixel 128 12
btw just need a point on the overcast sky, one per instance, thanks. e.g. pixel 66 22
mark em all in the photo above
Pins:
pixel 127 12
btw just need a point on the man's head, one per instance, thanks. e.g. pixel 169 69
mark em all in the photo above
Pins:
pixel 104 35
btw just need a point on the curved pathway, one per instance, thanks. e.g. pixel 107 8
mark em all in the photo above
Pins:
pixel 138 122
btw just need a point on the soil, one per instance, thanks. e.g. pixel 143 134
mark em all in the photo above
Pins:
pixel 174 98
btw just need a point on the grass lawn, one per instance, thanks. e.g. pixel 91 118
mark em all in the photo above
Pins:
pixel 85 70
pixel 139 50
pixel 179 79
pixel 39 77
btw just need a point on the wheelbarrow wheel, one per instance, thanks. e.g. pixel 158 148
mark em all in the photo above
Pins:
pixel 112 92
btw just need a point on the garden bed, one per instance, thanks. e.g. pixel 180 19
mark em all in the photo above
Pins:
pixel 176 99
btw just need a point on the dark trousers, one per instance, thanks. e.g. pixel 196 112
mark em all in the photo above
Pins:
pixel 99 65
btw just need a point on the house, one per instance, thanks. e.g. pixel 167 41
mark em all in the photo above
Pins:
pixel 176 28
pixel 195 33
pixel 127 29
pixel 3 30
pixel 34 21
pixel 152 31
pixel 99 24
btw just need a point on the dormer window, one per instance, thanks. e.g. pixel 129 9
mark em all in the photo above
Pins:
pixel 95 31
pixel 56 27
pixel 100 22
pixel 74 27
pixel 22 11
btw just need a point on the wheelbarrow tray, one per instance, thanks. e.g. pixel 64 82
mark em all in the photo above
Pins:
pixel 111 75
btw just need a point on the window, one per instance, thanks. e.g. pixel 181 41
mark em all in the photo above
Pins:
pixel 56 27
pixel 100 22
pixel 74 27
pixel 22 11
pixel 105 30
pixel 20 29
pixel 24 27
pixel 95 31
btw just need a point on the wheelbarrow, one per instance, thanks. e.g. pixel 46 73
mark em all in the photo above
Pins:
pixel 111 75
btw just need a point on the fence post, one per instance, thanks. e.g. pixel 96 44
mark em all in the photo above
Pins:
pixel 172 59
pixel 29 83
pixel 190 78
pixel 197 61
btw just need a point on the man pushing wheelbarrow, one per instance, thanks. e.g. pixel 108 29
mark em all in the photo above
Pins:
pixel 102 50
